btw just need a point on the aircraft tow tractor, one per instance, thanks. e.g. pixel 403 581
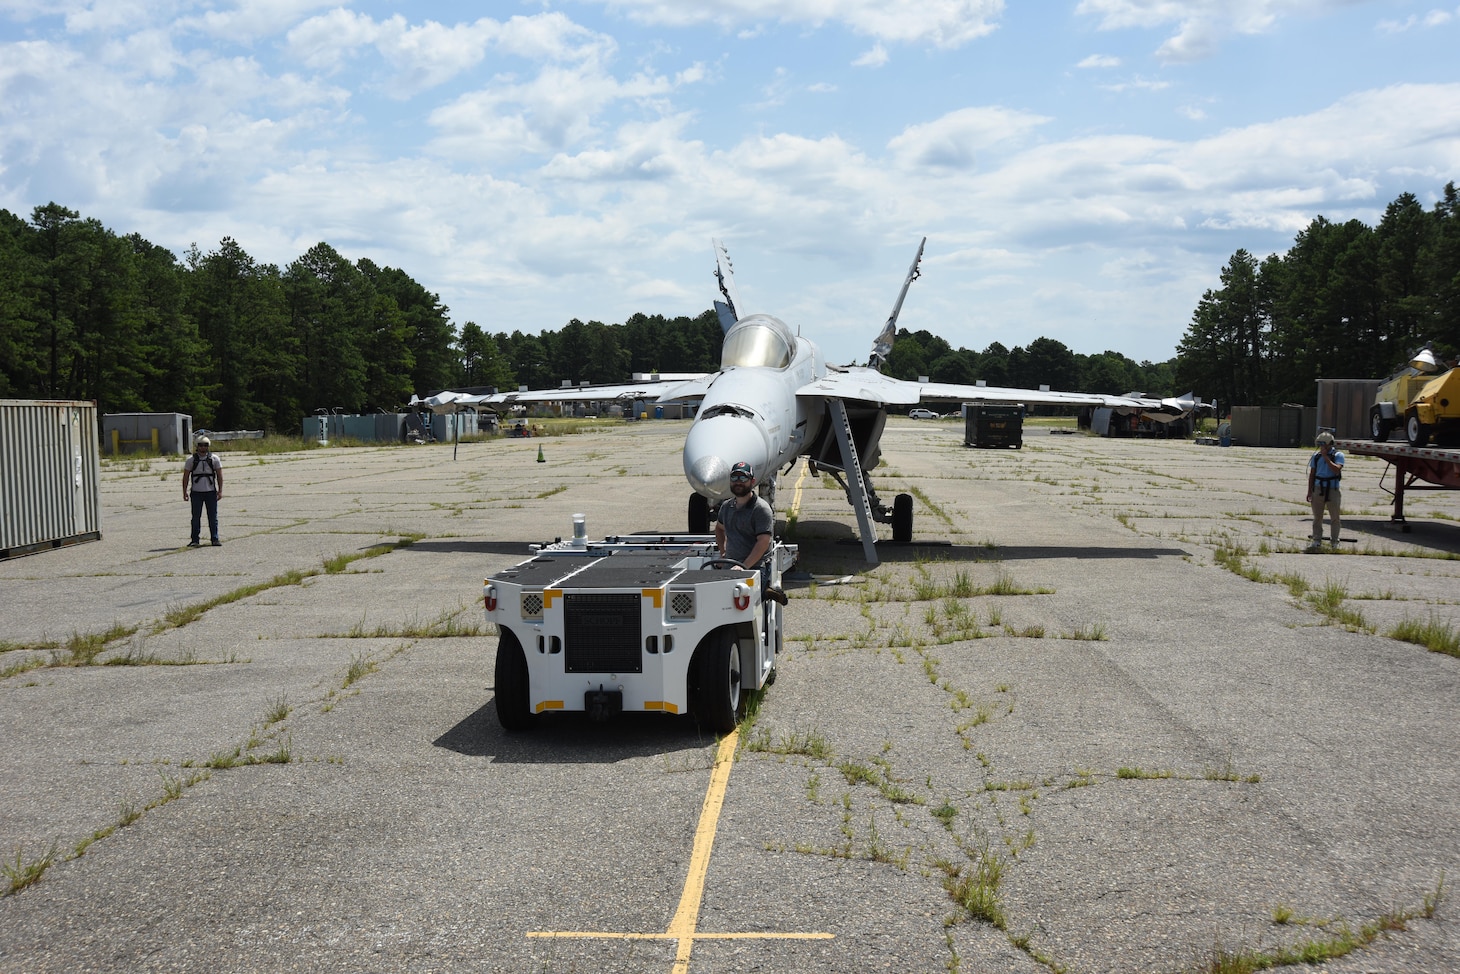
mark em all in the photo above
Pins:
pixel 643 622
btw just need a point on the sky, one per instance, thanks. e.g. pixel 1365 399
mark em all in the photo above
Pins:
pixel 1081 169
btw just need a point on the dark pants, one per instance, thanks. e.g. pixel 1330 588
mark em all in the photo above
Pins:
pixel 208 499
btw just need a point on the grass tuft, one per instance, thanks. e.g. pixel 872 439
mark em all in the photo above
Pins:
pixel 1436 635
pixel 22 873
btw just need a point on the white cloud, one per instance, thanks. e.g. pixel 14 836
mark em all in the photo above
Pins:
pixel 943 23
pixel 553 112
pixel 1100 61
pixel 874 58
pixel 1201 25
pixel 243 21
pixel 1137 84
pixel 429 54
pixel 1433 18
pixel 955 140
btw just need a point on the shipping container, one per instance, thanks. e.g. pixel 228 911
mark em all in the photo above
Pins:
pixel 1279 426
pixel 50 475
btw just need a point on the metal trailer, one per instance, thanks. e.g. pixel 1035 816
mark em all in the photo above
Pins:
pixel 1439 468
pixel 50 475
pixel 651 623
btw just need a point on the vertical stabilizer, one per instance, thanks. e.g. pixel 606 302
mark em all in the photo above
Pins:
pixel 727 306
pixel 882 347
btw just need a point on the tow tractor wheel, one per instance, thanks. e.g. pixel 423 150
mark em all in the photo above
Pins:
pixel 1417 433
pixel 721 699
pixel 511 680
pixel 699 514
pixel 1378 425
pixel 902 519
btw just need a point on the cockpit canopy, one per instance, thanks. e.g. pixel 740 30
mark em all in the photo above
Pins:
pixel 758 340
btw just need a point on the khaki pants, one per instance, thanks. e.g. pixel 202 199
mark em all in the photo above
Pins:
pixel 1332 504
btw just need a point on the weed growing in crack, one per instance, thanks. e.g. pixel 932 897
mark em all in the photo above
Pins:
pixel 22 872
pixel 1434 634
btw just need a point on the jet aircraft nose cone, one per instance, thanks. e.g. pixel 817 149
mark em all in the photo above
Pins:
pixel 715 444
pixel 709 475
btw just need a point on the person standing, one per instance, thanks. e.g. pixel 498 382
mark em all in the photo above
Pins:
pixel 744 524
pixel 203 479
pixel 1325 471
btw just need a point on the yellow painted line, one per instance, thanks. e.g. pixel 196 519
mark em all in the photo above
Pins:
pixel 548 595
pixel 800 483
pixel 686 917
pixel 611 935
pixel 550 705
pixel 664 705
pixel 655 595
pixel 688 914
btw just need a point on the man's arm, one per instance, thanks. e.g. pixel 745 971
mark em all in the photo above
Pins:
pixel 218 475
pixel 187 479
pixel 758 550
pixel 1312 472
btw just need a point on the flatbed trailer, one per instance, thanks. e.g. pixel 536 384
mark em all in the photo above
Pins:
pixel 1437 466
pixel 654 623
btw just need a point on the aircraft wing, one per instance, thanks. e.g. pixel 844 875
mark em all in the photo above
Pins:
pixel 448 402
pixel 689 389
pixel 869 385
pixel 601 393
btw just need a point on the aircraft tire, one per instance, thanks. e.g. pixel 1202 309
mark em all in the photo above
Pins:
pixel 699 514
pixel 902 519
pixel 512 684
pixel 720 700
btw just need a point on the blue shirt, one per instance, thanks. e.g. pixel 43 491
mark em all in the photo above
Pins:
pixel 1324 470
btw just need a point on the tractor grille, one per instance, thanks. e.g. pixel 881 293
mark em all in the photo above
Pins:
pixel 603 633
pixel 682 605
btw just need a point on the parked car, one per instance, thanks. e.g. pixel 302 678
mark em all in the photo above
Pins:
pixel 921 413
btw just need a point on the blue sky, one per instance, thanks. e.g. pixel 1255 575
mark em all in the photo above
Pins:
pixel 1082 169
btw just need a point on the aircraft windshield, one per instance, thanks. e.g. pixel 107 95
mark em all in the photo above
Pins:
pixel 758 340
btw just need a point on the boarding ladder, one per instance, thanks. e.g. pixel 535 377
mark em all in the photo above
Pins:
pixel 856 483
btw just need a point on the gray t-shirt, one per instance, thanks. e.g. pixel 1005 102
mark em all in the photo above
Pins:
pixel 744 524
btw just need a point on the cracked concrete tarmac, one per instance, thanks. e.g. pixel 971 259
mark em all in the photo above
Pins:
pixel 1152 759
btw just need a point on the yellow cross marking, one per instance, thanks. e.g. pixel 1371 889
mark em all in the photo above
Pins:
pixel 686 917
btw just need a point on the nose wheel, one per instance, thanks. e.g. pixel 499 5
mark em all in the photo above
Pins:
pixel 699 514
pixel 902 518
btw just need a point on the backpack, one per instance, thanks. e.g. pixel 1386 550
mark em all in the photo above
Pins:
pixel 203 471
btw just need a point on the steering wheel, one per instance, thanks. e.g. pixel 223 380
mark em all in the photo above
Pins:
pixel 723 562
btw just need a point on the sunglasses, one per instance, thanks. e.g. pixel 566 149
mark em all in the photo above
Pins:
pixel 741 478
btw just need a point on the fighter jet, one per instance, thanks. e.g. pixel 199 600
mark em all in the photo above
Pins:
pixel 775 399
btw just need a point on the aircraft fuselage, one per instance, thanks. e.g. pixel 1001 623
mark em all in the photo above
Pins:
pixel 751 411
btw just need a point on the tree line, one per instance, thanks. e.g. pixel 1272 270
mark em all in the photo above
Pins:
pixel 1345 301
pixel 86 313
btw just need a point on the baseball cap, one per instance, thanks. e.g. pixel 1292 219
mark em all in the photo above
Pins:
pixel 742 469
